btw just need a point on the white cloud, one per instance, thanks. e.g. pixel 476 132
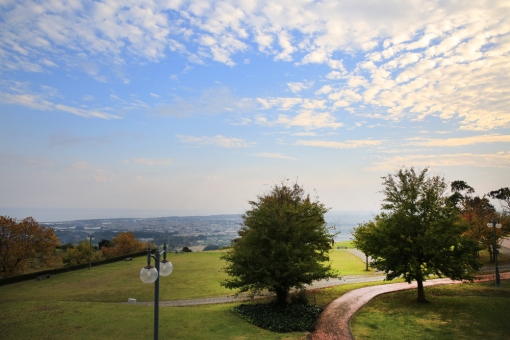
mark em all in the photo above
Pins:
pixel 307 119
pixel 349 144
pixel 499 160
pixel 150 162
pixel 461 141
pixel 38 102
pixel 421 58
pixel 218 140
pixel 299 86
pixel 274 155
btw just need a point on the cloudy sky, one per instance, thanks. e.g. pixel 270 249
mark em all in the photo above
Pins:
pixel 196 107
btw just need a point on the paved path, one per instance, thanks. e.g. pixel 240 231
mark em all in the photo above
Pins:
pixel 318 284
pixel 334 322
pixel 245 297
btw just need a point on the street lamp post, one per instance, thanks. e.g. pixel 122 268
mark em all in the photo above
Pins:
pixel 150 274
pixel 495 225
pixel 90 256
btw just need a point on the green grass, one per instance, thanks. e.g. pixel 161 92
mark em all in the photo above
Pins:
pixel 195 275
pixel 347 244
pixel 89 320
pixel 83 304
pixel 485 259
pixel 348 264
pixel 463 311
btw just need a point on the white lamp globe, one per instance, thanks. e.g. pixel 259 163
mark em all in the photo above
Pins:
pixel 165 268
pixel 148 274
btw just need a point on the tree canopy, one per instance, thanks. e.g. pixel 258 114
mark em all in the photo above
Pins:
pixel 283 243
pixel 503 195
pixel 81 253
pixel 23 241
pixel 419 233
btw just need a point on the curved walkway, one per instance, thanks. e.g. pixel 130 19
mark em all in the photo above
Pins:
pixel 335 320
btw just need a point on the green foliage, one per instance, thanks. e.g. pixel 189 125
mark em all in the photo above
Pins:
pixel 82 253
pixel 294 317
pixel 66 246
pixel 284 243
pixel 419 233
pixel 503 195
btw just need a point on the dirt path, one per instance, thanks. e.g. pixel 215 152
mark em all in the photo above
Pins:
pixel 335 320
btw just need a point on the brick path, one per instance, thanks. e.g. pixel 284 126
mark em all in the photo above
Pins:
pixel 335 320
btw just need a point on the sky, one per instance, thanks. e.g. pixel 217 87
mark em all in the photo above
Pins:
pixel 196 107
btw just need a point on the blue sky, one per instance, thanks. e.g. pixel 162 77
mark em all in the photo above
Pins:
pixel 196 107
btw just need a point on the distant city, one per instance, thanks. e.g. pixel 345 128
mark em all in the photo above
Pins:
pixel 180 231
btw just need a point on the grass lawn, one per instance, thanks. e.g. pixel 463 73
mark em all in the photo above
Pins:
pixel 81 304
pixel 89 320
pixel 347 244
pixel 463 311
pixel 485 259
pixel 195 275
pixel 348 264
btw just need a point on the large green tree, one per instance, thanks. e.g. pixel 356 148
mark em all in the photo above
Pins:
pixel 284 243
pixel 419 234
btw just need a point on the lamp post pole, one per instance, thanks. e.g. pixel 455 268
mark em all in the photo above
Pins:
pixel 151 274
pixel 156 297
pixel 90 256
pixel 495 225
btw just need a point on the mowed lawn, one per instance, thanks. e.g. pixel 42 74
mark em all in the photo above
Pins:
pixel 460 311
pixel 195 275
pixel 84 304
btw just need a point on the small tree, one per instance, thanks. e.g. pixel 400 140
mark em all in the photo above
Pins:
pixel 80 254
pixel 124 243
pixel 419 233
pixel 284 243
pixel 21 241
pixel 361 239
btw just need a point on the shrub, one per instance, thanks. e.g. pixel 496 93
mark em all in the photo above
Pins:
pixel 294 317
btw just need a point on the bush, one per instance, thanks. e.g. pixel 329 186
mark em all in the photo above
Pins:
pixel 294 317
pixel 212 247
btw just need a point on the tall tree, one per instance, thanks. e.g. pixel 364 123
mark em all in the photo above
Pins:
pixel 21 241
pixel 284 243
pixel 418 234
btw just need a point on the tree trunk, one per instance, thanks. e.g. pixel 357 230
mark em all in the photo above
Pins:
pixel 421 291
pixel 366 262
pixel 281 296
pixel 491 257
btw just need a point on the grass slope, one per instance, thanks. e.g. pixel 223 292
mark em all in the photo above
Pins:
pixel 195 275
pixel 81 304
